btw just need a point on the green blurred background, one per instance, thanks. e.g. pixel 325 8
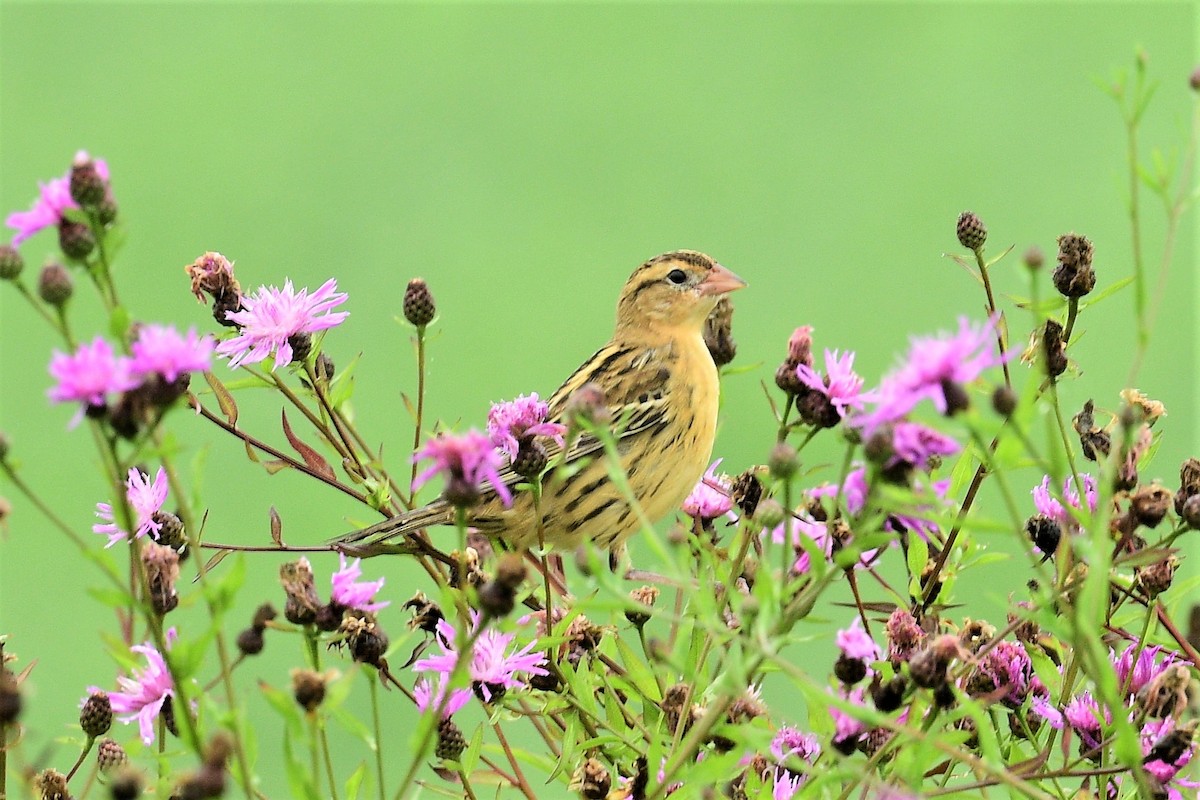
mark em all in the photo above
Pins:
pixel 523 159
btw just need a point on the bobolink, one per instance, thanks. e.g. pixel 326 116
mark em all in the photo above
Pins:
pixel 661 391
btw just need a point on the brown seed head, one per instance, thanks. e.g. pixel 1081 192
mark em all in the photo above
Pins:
pixel 86 186
pixel 308 688
pixel 96 715
pixel 419 308
pixel 110 755
pixel 55 285
pixel 52 785
pixel 299 586
pixel 971 231
pixel 1074 276
pixel 718 333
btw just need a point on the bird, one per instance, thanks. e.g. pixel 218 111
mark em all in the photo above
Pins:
pixel 661 390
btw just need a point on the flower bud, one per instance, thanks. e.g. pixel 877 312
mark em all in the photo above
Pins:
pixel 11 262
pixel 1150 504
pixel 10 697
pixel 849 670
pixel 298 584
pixel 1044 532
pixel 769 513
pixel 1033 258
pixel 450 741
pixel 1054 348
pixel 1074 276
pixel 251 641
pixel 54 284
pixel 308 688
pixel 162 571
pixel 972 233
pixel 86 185
pixel 96 715
pixel 1004 401
pixel 1194 80
pixel 106 212
pixel 718 333
pixel 110 755
pixel 889 696
pixel 782 461
pixel 531 458
pixel 587 403
pixel 75 239
pixel 419 308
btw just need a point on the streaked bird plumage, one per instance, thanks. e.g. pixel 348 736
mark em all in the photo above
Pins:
pixel 662 391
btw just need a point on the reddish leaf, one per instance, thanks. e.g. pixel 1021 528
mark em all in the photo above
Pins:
pixel 311 457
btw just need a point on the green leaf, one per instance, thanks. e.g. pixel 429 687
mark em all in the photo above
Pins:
pixel 342 387
pixel 638 672
pixel 916 557
pixel 113 598
pixel 470 757
pixel 355 781
pixel 220 592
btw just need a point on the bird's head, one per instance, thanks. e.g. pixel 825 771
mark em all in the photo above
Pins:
pixel 675 290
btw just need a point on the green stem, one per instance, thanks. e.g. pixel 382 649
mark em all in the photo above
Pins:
pixel 373 683
pixel 992 312
pixel 419 422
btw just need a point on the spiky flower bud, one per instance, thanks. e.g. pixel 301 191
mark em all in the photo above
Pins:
pixel 450 741
pixel 54 284
pixel 96 714
pixel 110 755
pixel 162 571
pixel 718 333
pixel 11 262
pixel 1074 276
pixel 1154 579
pixel 75 239
pixel 419 308
pixel 1150 504
pixel 769 513
pixel 52 785
pixel 308 688
pixel 365 640
pixel 972 233
pixel 1054 348
pixel 531 458
pixel 86 185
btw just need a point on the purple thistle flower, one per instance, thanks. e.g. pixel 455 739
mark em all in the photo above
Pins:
pixel 841 384
pixel 493 670
pixel 525 416
pixel 706 502
pixel 786 784
pixel 790 741
pixel 430 700
pixel 53 199
pixel 1048 505
pixel 469 458
pixel 145 498
pixel 1145 669
pixel 1008 666
pixel 271 316
pixel 351 594
pixel 89 374
pixel 813 530
pixel 904 635
pixel 1166 772
pixel 1083 715
pixel 916 444
pixel 143 695
pixel 846 727
pixel 934 364
pixel 162 350
pixel 855 643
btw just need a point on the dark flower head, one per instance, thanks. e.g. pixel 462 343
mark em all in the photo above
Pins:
pixel 971 231
pixel 419 308
pixel 1074 276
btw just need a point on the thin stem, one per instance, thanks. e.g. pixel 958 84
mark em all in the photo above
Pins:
pixel 373 683
pixel 419 422
pixel 992 312
pixel 522 783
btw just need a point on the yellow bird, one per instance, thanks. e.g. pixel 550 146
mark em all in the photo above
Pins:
pixel 661 389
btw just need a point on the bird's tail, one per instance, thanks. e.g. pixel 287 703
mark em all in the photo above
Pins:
pixel 374 540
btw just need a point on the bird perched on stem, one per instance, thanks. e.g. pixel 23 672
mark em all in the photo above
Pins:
pixel 660 391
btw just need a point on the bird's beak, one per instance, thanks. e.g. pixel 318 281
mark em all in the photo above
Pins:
pixel 720 281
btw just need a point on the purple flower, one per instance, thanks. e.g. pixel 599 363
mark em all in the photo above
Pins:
pixel 351 594
pixel 707 502
pixel 469 458
pixel 790 741
pixel 803 526
pixel 53 199
pixel 1083 714
pixel 846 727
pixel 855 643
pixel 1008 666
pixel 143 695
pixel 841 384
pixel 934 365
pixel 89 374
pixel 1046 503
pixel 526 416
pixel 430 700
pixel 493 670
pixel 904 635
pixel 916 444
pixel 271 316
pixel 1165 772
pixel 786 784
pixel 162 350
pixel 1144 669
pixel 145 499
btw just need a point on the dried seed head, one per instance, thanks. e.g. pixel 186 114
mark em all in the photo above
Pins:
pixel 308 688
pixel 52 785
pixel 262 615
pixel 419 308
pixel 746 491
pixel 250 642
pixel 646 596
pixel 904 636
pixel 975 634
pixel 1074 276
pixel 468 573
pixel 11 262
pixel 96 715
pixel 1055 349
pixel 110 755
pixel 365 640
pixel 591 780
pixel 75 239
pixel 929 665
pixel 718 333
pixel 1026 630
pixel 450 741
pixel 299 586
pixel 1150 504
pixel 55 285
pixel 425 613
pixel 496 600
pixel 212 274
pixel 162 571
pixel 889 696
pixel 972 233
pixel 1154 579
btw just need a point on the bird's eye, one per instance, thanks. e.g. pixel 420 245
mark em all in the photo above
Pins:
pixel 677 277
